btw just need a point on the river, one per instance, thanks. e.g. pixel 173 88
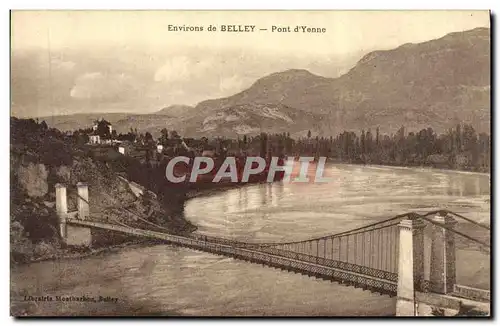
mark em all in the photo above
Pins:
pixel 166 280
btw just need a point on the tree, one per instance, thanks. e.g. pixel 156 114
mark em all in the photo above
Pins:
pixel 309 134
pixel 43 126
pixel 369 142
pixel 103 129
pixel 363 143
pixel 470 144
pixel 458 138
pixel 263 144
pixel 164 136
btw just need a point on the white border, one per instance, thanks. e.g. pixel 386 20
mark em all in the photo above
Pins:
pixel 256 4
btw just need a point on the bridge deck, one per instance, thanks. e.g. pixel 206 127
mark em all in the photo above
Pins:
pixel 350 274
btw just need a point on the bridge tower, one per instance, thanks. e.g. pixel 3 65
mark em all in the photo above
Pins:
pixel 73 235
pixel 61 208
pixel 410 265
pixel 441 261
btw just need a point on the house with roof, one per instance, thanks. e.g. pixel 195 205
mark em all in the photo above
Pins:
pixel 100 123
pixel 101 132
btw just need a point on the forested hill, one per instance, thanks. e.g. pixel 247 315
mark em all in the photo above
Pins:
pixel 40 157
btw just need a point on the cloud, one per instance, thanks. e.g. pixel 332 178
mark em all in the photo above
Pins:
pixel 114 80
pixel 197 75
pixel 181 69
pixel 231 84
pixel 63 65
pixel 99 86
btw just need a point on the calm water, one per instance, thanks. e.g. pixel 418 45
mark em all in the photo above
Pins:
pixel 165 280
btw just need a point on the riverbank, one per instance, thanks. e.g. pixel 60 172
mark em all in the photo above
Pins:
pixel 101 245
pixel 408 166
pixel 422 168
pixel 73 253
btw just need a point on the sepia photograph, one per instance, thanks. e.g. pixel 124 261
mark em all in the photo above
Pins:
pixel 245 163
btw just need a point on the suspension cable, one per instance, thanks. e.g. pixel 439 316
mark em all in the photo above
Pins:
pixel 457 232
pixel 128 211
pixel 350 232
pixel 360 230
pixel 414 215
pixel 468 220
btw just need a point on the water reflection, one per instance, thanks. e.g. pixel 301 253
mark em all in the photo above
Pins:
pixel 181 281
pixel 354 196
pixel 467 185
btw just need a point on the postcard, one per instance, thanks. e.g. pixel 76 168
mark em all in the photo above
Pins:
pixel 250 163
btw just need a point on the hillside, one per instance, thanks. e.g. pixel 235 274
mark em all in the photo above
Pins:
pixel 437 83
pixel 291 88
pixel 251 119
pixel 40 158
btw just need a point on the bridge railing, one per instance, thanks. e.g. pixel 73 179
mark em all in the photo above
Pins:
pixel 349 266
pixel 271 257
pixel 374 249
pixel 371 249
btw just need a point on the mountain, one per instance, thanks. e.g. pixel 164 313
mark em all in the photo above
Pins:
pixel 290 88
pixel 249 119
pixel 438 83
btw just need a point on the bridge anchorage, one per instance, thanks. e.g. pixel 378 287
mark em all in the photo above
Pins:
pixel 410 256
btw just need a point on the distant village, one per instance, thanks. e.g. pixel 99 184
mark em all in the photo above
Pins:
pixel 103 134
pixel 144 147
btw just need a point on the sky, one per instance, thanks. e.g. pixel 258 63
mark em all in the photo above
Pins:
pixel 66 62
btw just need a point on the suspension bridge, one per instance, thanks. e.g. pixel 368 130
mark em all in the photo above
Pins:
pixel 386 257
